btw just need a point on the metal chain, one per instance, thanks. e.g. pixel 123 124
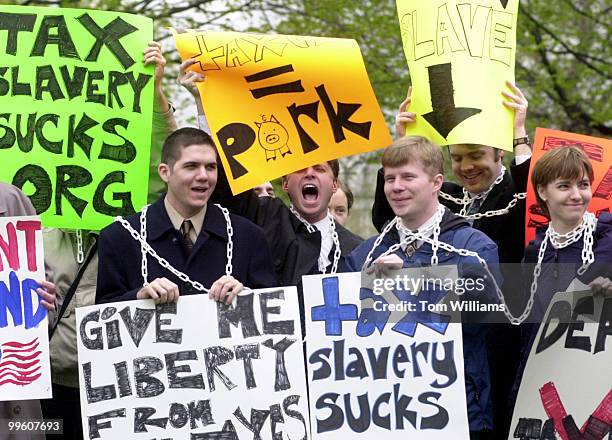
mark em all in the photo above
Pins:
pixel 80 253
pixel 585 229
pixel 230 243
pixel 467 201
pixel 449 248
pixel 309 227
pixel 334 233
pixel 144 268
pixel 145 248
pixel 162 261
pixel 336 241
pixel 409 237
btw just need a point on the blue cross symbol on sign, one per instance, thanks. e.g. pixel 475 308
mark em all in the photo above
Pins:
pixel 331 311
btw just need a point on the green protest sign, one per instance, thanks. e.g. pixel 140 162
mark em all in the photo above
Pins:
pixel 75 112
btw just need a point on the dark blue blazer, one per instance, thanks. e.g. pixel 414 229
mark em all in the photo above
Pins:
pixel 119 266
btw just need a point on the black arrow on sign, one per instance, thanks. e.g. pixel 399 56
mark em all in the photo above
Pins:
pixel 445 116
pixel 504 3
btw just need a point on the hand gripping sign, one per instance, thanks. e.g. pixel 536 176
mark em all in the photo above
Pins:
pixel 460 54
pixel 75 123
pixel 195 369
pixel 280 103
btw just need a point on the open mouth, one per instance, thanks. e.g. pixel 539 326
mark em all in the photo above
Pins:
pixel 310 192
pixel 199 189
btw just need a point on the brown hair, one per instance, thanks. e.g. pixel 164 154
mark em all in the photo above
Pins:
pixel 414 148
pixel 182 138
pixel 350 198
pixel 570 163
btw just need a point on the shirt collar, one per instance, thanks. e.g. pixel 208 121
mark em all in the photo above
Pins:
pixel 323 225
pixel 426 229
pixel 177 219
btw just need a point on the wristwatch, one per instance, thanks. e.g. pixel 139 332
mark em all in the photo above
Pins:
pixel 520 141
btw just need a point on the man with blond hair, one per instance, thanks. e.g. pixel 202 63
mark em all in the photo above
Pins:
pixel 413 175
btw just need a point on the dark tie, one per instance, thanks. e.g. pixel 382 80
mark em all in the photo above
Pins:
pixel 475 206
pixel 411 246
pixel 185 231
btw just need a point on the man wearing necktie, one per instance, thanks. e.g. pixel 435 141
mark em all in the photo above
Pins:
pixel 192 234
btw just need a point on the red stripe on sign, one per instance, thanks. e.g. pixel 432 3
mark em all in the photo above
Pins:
pixel 554 407
pixel 20 350
pixel 18 344
pixel 603 411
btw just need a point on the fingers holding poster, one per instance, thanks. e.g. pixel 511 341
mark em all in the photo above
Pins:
pixel 196 369
pixel 76 121
pixel 24 344
pixel 460 54
pixel 280 103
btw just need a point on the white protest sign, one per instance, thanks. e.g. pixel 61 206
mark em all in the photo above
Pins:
pixel 196 369
pixel 372 373
pixel 24 343
pixel 566 388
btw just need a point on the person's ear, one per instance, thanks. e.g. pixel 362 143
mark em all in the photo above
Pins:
pixel 542 193
pixel 438 180
pixel 334 186
pixel 164 171
pixel 285 184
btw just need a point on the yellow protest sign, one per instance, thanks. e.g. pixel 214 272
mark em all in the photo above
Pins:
pixel 460 54
pixel 280 103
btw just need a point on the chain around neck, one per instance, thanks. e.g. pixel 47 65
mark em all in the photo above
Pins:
pixel 145 248
pixel 467 200
pixel 334 233
pixel 585 229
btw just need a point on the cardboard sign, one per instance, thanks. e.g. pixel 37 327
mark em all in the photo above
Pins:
pixel 460 54
pixel 566 389
pixel 196 369
pixel 77 102
pixel 599 151
pixel 24 343
pixel 380 374
pixel 280 103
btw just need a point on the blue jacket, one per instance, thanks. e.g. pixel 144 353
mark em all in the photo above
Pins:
pixel 457 232
pixel 559 266
pixel 119 271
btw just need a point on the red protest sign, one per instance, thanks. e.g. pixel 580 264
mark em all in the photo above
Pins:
pixel 600 153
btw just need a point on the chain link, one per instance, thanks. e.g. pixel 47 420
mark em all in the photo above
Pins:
pixel 162 261
pixel 467 201
pixel 230 243
pixel 80 253
pixel 336 241
pixel 449 248
pixel 334 233
pixel 144 267
pixel 145 248
pixel 585 229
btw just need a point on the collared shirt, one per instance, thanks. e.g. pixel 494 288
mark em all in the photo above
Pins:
pixel 426 229
pixel 177 220
pixel 324 226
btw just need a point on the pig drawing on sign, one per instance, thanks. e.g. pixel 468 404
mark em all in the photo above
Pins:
pixel 272 137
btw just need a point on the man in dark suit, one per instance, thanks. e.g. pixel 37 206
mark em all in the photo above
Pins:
pixel 203 244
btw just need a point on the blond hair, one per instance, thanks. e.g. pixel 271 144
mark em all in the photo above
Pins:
pixel 411 149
